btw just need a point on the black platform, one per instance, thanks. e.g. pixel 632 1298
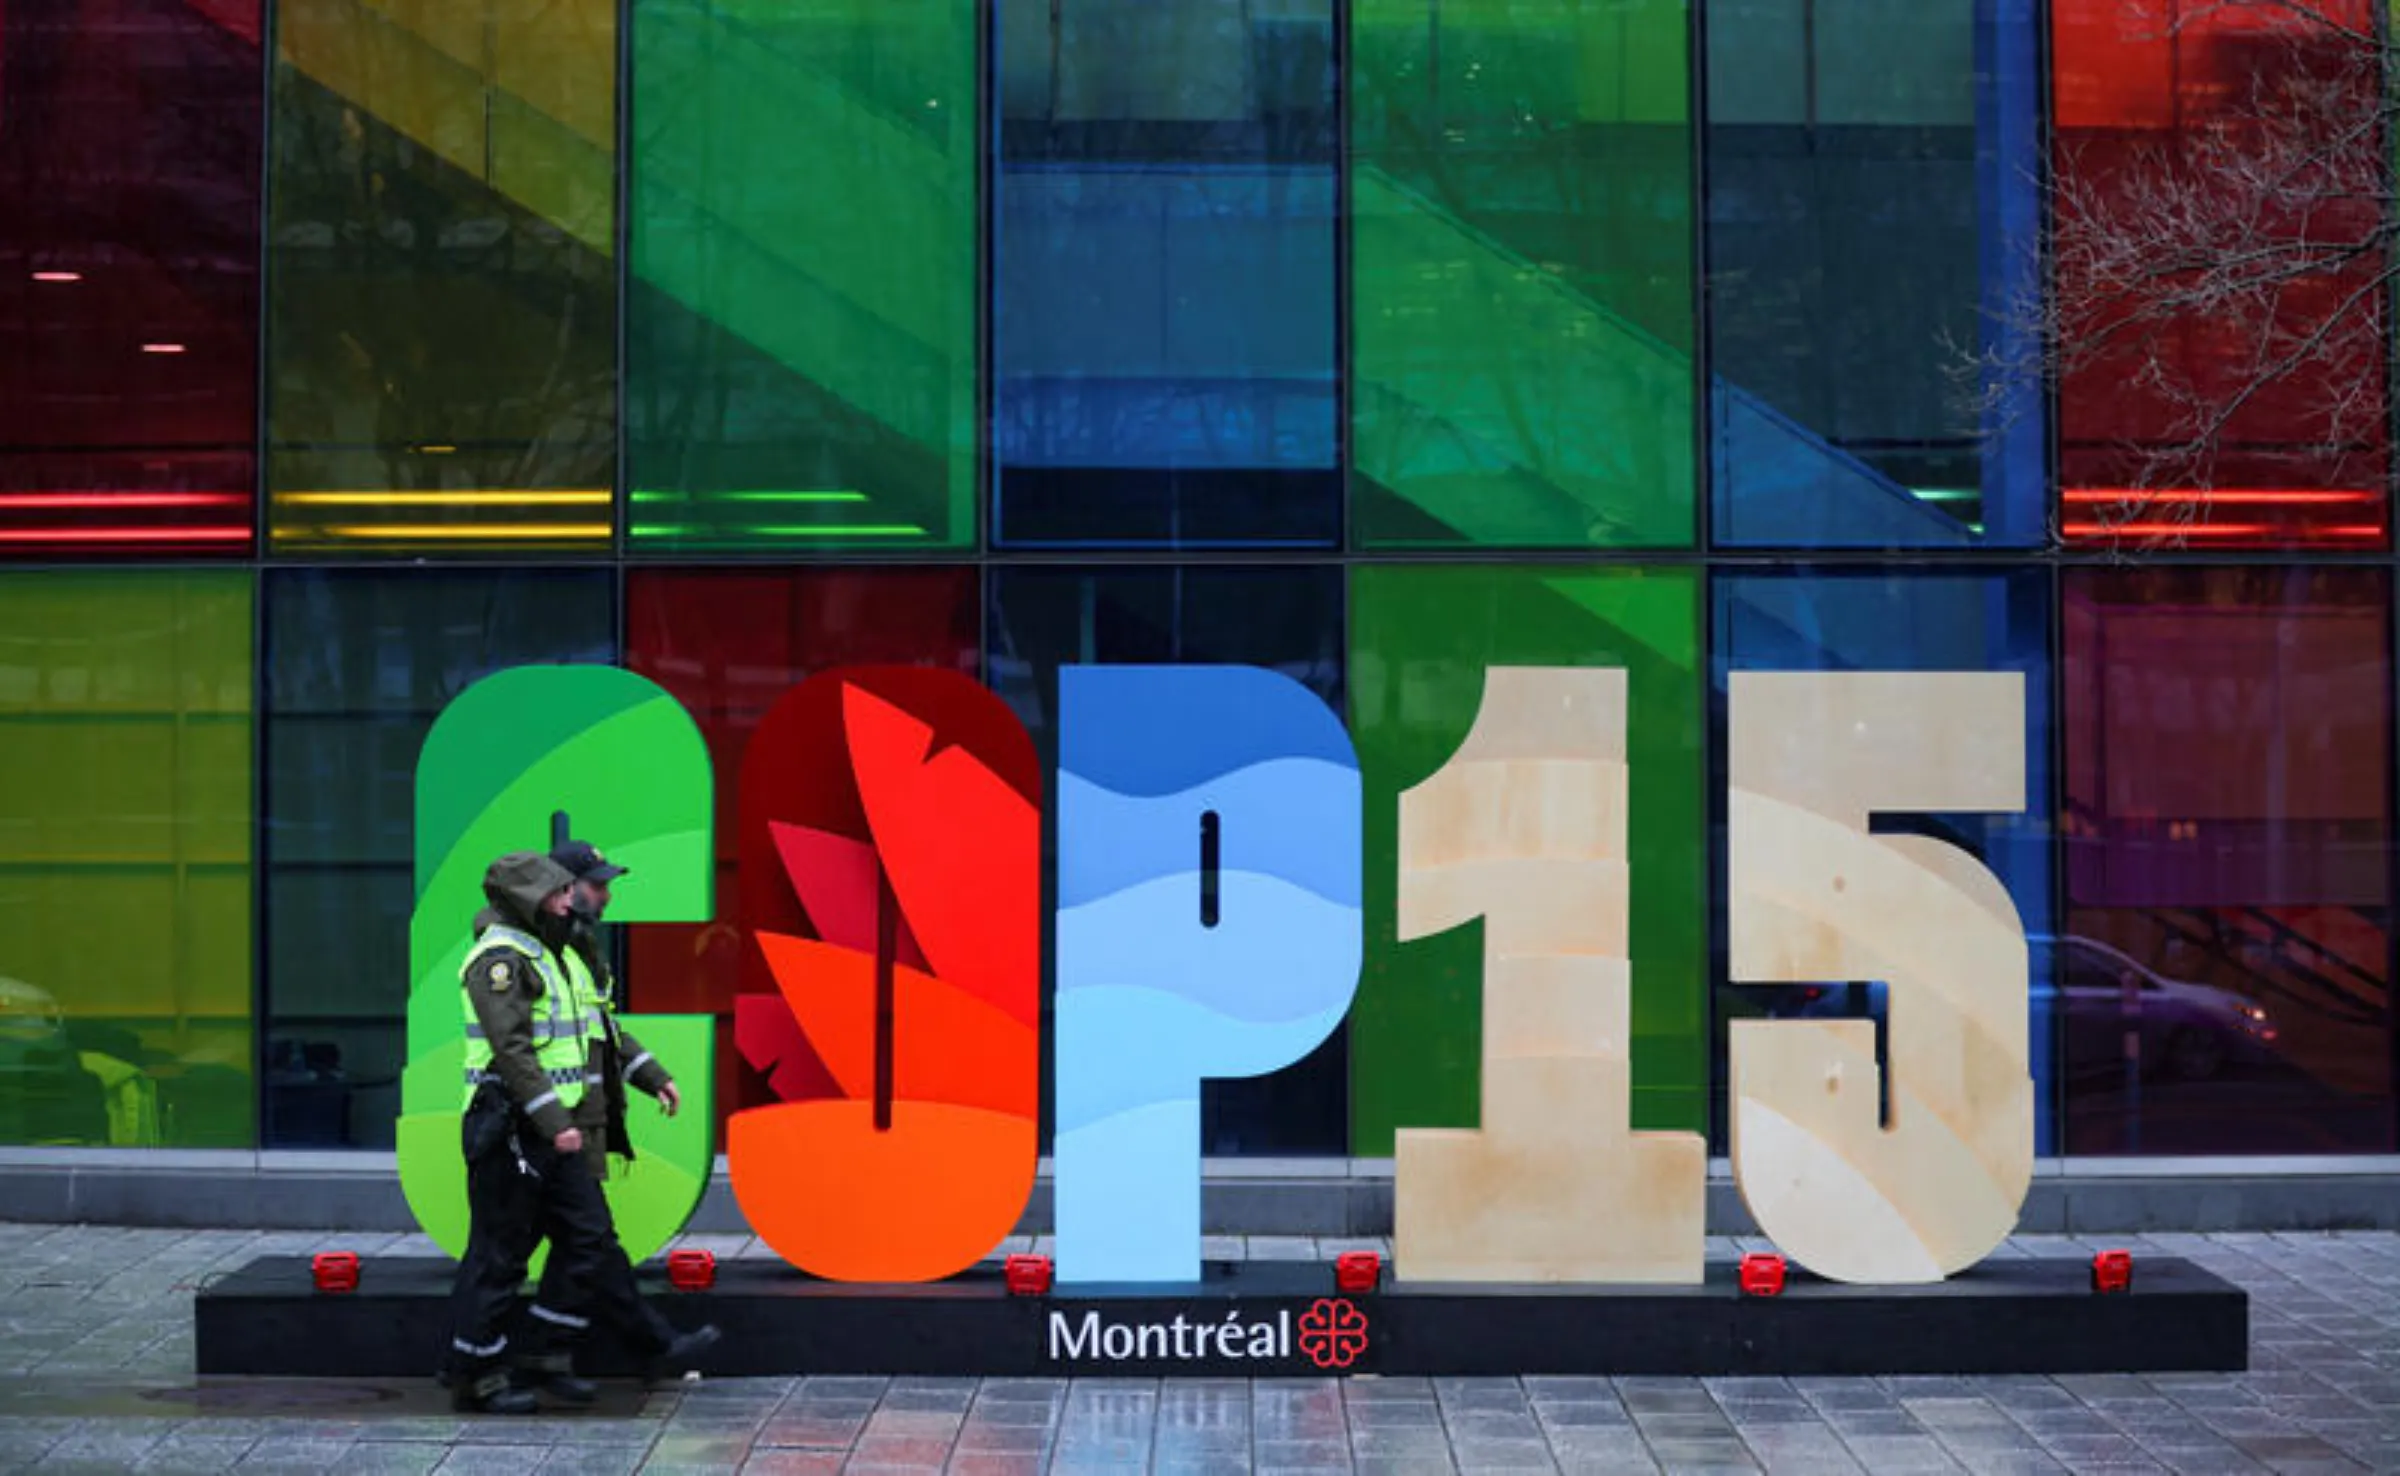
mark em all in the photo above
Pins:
pixel 1286 1319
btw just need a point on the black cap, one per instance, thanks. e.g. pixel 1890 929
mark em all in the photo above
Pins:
pixel 585 861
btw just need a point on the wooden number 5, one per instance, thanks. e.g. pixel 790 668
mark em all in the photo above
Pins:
pixel 1815 899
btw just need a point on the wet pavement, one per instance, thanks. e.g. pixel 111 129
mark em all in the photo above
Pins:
pixel 96 1375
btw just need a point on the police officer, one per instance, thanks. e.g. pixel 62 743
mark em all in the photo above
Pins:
pixel 602 1115
pixel 527 1054
pixel 615 1058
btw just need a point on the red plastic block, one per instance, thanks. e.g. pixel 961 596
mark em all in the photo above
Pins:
pixel 335 1271
pixel 2112 1271
pixel 1357 1271
pixel 1028 1276
pixel 1762 1276
pixel 691 1270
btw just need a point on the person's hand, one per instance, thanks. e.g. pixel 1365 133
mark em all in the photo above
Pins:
pixel 570 1141
pixel 669 1099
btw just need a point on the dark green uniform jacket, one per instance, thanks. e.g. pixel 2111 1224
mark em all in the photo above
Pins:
pixel 507 998
pixel 515 887
pixel 635 1066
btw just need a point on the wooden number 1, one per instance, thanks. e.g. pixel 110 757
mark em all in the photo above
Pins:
pixel 1525 827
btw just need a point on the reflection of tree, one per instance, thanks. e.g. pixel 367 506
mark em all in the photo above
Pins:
pixel 2222 250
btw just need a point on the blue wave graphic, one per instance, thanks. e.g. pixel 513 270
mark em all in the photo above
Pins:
pixel 1292 818
pixel 1123 1050
pixel 1275 952
pixel 1159 730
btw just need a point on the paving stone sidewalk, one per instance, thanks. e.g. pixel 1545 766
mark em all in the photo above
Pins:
pixel 96 1375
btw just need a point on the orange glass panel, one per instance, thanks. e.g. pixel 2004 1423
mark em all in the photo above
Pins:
pixel 2248 408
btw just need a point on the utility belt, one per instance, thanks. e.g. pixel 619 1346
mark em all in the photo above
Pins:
pixel 494 1124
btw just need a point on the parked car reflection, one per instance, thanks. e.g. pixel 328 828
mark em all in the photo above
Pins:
pixel 2109 1007
pixel 2115 1008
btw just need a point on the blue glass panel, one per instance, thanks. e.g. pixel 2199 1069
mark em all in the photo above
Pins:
pixel 1968 622
pixel 1872 221
pixel 1163 275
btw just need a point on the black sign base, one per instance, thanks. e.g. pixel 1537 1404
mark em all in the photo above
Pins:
pixel 1263 1319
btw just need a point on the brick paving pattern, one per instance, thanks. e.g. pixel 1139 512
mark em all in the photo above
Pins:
pixel 96 1375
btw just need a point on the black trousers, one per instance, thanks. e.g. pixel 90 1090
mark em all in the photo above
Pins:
pixel 612 1297
pixel 521 1191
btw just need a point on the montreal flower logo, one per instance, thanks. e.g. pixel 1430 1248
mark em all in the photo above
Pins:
pixel 1333 1333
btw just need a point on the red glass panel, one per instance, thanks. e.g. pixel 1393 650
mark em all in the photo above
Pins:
pixel 728 644
pixel 129 209
pixel 2247 408
pixel 2225 965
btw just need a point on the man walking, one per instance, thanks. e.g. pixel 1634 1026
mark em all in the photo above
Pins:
pixel 613 1058
pixel 526 1062
pixel 602 1116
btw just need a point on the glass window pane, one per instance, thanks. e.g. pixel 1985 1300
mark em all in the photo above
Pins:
pixel 1872 225
pixel 1164 274
pixel 441 292
pixel 129 139
pixel 1287 620
pixel 359 664
pixel 1929 622
pixel 2228 760
pixel 801 343
pixel 2249 406
pixel 728 644
pixel 1521 274
pixel 125 850
pixel 1422 641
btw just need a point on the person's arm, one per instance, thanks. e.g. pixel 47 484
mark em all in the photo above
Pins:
pixel 503 987
pixel 642 1070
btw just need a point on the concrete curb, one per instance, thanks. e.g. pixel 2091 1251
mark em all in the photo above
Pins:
pixel 1329 1198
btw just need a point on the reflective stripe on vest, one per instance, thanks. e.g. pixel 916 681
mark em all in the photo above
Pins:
pixel 561 1034
pixel 477 1077
pixel 587 1025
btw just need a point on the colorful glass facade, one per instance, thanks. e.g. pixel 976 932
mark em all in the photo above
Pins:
pixel 353 351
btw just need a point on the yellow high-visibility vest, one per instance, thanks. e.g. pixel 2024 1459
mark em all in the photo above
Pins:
pixel 562 1031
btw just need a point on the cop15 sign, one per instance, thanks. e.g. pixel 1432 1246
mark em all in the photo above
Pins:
pixel 1208 924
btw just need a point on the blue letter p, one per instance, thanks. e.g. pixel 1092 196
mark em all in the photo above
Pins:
pixel 1209 925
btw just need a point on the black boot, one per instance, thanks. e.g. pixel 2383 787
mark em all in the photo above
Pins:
pixel 566 1388
pixel 491 1394
pixel 678 1357
pixel 555 1376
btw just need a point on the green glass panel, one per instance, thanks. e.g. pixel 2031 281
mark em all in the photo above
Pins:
pixel 801 335
pixel 512 751
pixel 125 852
pixel 1421 641
pixel 1521 273
pixel 441 299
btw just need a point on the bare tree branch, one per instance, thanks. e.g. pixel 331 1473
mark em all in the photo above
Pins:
pixel 2221 271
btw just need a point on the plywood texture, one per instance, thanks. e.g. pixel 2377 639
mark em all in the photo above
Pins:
pixel 1525 827
pixel 1816 898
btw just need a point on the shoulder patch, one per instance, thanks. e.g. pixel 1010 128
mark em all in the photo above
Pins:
pixel 499 973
